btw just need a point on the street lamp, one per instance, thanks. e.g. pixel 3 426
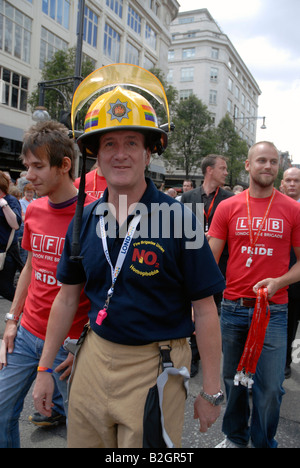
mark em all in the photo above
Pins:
pixel 40 113
pixel 263 127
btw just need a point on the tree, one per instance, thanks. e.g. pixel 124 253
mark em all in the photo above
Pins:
pixel 191 139
pixel 228 143
pixel 61 65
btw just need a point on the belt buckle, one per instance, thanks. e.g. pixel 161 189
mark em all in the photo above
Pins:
pixel 247 302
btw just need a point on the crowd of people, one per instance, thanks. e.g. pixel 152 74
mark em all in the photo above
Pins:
pixel 133 303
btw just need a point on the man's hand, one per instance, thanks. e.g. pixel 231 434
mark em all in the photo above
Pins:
pixel 8 342
pixel 206 413
pixel 43 392
pixel 67 366
pixel 270 283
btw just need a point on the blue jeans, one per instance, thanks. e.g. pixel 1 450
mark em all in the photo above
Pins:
pixel 267 391
pixel 15 382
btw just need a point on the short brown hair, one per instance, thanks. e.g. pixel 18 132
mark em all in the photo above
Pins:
pixel 4 182
pixel 210 161
pixel 54 138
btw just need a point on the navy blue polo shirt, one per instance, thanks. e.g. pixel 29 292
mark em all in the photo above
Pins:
pixel 166 267
pixel 5 228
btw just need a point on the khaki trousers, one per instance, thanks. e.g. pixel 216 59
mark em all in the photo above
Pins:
pixel 109 390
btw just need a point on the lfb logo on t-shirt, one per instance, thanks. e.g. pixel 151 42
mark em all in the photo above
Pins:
pixel 272 225
pixel 47 244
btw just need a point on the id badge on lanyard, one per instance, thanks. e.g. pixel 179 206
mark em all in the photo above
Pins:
pixel 102 314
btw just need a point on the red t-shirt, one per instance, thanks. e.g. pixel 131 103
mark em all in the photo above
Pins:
pixel 45 228
pixel 271 254
pixel 94 184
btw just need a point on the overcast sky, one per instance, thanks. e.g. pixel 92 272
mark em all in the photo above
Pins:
pixel 266 34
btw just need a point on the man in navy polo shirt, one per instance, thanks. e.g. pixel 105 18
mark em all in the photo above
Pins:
pixel 144 262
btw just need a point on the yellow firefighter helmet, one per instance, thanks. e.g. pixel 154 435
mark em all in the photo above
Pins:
pixel 119 108
pixel 122 109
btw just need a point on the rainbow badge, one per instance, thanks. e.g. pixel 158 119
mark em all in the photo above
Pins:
pixel 91 119
pixel 149 113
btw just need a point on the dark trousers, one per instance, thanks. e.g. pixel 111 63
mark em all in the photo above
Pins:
pixel 293 320
pixel 7 275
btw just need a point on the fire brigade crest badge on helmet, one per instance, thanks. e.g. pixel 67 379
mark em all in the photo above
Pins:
pixel 119 110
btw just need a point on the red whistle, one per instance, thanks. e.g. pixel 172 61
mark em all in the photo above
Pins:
pixel 102 314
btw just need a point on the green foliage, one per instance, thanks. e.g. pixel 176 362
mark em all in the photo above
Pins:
pixel 195 137
pixel 190 141
pixel 229 144
pixel 62 65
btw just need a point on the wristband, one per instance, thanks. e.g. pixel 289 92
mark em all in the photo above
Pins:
pixel 13 317
pixel 45 369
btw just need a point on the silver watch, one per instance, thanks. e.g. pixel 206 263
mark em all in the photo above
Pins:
pixel 9 316
pixel 214 400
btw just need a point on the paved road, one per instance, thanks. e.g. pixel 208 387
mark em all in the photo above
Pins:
pixel 288 434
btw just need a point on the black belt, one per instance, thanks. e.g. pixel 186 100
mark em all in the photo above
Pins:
pixel 249 302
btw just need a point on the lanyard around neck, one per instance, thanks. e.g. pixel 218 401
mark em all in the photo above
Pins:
pixel 254 238
pixel 207 215
pixel 123 251
pixel 115 271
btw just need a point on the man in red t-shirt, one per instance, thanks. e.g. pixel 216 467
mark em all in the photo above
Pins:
pixel 95 183
pixel 48 153
pixel 260 225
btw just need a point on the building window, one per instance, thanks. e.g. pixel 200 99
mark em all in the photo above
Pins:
pixel 16 89
pixel 184 94
pixel 188 53
pixel 214 74
pixel 154 6
pixel 237 92
pixel 229 106
pixel 112 43
pixel 230 84
pixel 170 76
pixel 148 64
pixel 58 10
pixel 15 32
pixel 132 54
pixel 86 58
pixel 214 53
pixel 116 6
pixel 90 27
pixel 134 21
pixel 213 97
pixel 187 74
pixel 150 37
pixel 186 20
pixel 171 55
pixel 50 44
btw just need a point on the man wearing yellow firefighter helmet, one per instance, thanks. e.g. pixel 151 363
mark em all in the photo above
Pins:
pixel 141 274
